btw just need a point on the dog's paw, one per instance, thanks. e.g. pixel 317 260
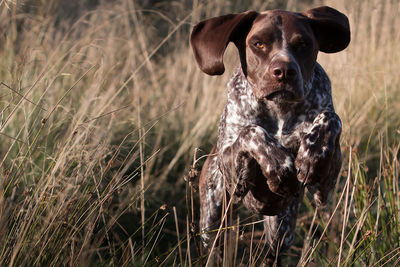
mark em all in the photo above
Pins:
pixel 314 158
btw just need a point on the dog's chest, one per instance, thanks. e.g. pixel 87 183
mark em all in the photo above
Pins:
pixel 243 109
pixel 287 130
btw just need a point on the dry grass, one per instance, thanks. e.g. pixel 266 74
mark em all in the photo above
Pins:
pixel 100 114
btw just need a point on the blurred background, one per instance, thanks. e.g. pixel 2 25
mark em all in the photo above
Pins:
pixel 104 118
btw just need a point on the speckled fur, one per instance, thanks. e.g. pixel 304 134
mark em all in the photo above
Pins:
pixel 301 137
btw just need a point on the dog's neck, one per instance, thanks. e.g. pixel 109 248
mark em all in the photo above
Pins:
pixel 244 109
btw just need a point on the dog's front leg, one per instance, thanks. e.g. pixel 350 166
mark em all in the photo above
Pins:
pixel 255 148
pixel 319 157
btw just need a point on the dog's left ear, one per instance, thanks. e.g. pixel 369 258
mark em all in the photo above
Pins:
pixel 331 28
pixel 210 38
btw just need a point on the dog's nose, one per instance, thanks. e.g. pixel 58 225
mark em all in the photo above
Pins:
pixel 284 71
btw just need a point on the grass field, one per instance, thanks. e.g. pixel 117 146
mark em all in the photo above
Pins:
pixel 103 113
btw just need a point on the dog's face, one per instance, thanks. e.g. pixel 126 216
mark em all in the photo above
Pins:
pixel 281 51
pixel 278 49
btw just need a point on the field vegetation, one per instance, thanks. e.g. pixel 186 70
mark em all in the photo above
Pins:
pixel 105 117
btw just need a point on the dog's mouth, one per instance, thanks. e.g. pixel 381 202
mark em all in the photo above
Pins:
pixel 283 96
pixel 279 92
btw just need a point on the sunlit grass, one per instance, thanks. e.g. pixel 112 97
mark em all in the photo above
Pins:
pixel 100 117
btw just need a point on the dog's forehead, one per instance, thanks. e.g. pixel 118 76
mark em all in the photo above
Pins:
pixel 287 21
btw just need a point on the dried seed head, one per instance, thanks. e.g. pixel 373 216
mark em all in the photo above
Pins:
pixel 367 234
pixel 193 228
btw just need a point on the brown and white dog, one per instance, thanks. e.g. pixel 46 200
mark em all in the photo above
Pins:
pixel 279 132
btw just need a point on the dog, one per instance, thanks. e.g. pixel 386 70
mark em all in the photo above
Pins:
pixel 278 132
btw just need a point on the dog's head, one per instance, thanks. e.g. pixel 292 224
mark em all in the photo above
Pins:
pixel 278 49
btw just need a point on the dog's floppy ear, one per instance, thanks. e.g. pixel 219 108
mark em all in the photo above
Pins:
pixel 210 38
pixel 331 28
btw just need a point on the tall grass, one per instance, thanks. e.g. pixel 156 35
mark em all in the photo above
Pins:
pixel 102 108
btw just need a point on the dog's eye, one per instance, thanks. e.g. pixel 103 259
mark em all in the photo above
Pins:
pixel 299 44
pixel 259 45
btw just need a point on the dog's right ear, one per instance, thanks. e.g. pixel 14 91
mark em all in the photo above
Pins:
pixel 210 38
pixel 331 28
